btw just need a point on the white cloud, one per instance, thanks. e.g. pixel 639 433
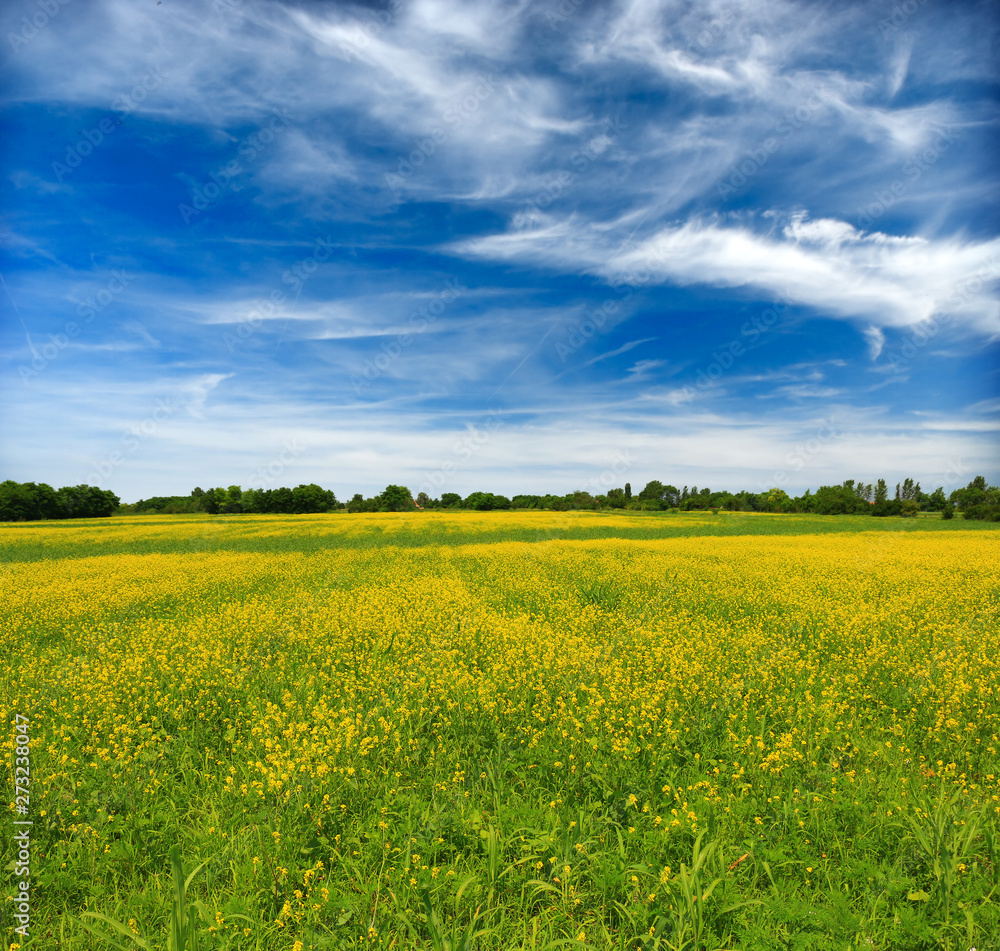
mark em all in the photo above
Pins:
pixel 826 264
pixel 195 392
pixel 358 448
pixel 699 89
pixel 876 341
pixel 640 370
pixel 753 55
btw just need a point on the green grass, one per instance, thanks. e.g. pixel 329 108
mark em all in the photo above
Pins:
pixel 146 534
pixel 514 849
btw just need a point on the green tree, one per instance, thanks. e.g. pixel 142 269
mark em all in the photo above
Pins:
pixel 308 499
pixel 487 502
pixel 881 492
pixel 86 501
pixel 282 500
pixel 698 500
pixel 839 500
pixel 15 503
pixel 653 492
pixel 617 498
pixel 936 501
pixel 978 500
pixel 102 503
pixel 777 500
pixel 396 498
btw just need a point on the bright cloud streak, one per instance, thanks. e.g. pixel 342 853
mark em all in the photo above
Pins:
pixel 691 233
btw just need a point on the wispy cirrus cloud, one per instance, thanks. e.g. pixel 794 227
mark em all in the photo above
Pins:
pixel 700 226
pixel 825 264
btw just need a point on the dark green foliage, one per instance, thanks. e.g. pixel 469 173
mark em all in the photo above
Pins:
pixel 839 500
pixel 359 503
pixel 881 492
pixel 616 498
pixel 978 501
pixel 396 498
pixel 486 502
pixel 28 502
pixel 527 501
pixel 167 505
pixel 312 498
pixel 653 492
pixel 937 501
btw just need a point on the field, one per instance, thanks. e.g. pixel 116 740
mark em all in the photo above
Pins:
pixel 506 730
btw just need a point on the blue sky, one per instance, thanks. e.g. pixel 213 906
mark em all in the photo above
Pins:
pixel 520 247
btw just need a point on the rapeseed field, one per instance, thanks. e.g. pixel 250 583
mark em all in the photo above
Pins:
pixel 505 730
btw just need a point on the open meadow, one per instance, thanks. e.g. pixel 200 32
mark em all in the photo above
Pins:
pixel 505 730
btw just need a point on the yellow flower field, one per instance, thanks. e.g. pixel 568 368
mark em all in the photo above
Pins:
pixel 378 742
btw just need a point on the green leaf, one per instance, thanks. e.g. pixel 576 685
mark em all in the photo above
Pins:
pixel 918 896
pixel 117 925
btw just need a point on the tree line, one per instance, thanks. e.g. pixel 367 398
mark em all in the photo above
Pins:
pixel 29 501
